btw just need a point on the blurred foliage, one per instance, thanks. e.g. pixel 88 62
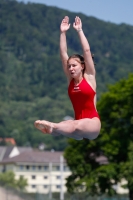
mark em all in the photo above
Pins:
pixel 8 179
pixel 32 83
pixel 115 143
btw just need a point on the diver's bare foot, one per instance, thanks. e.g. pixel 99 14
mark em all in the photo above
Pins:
pixel 44 126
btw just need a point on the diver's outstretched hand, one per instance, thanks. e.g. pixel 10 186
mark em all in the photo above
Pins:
pixel 77 25
pixel 65 24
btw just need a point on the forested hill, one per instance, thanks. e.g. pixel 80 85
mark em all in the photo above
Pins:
pixel 32 83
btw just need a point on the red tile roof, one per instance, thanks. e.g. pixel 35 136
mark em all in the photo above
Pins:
pixel 8 140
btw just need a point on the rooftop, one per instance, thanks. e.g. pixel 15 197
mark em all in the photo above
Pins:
pixel 35 157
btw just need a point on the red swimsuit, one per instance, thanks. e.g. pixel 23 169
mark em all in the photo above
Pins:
pixel 82 98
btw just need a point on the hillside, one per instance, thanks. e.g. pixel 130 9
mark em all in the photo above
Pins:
pixel 32 83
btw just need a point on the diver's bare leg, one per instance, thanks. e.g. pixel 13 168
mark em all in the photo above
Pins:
pixel 77 129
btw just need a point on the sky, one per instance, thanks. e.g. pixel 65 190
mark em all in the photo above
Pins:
pixel 115 11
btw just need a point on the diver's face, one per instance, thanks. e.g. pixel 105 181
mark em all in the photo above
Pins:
pixel 75 67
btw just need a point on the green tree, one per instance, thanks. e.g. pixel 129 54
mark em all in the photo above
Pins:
pixel 116 139
pixel 81 159
pixel 126 170
pixel 115 142
pixel 8 179
pixel 21 183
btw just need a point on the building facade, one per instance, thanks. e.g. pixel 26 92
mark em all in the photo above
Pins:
pixel 46 171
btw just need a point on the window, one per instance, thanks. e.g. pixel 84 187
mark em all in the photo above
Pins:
pixel 33 167
pixel 27 167
pixel 45 186
pixel 66 168
pixel 33 186
pixel 45 177
pixel 4 168
pixel 45 168
pixel 39 167
pixel 21 167
pixel 58 177
pixel 57 186
pixel 56 168
pixel 33 177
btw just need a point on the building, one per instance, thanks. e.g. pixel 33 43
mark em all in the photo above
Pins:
pixel 45 171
